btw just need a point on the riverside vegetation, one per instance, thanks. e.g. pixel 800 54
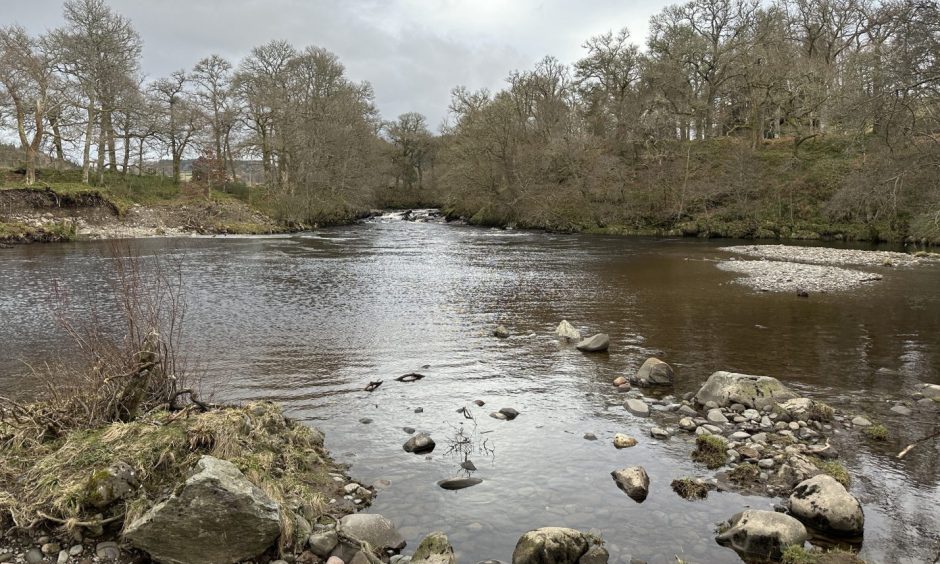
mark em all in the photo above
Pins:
pixel 799 119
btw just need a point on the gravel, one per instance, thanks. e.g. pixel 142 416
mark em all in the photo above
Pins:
pixel 777 276
pixel 825 255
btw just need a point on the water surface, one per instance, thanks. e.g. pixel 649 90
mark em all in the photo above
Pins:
pixel 308 320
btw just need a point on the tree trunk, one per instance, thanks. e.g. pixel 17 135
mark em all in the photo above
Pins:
pixel 86 152
pixel 102 148
pixel 57 139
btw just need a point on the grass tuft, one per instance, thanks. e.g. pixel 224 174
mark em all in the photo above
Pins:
pixel 710 450
pixel 877 432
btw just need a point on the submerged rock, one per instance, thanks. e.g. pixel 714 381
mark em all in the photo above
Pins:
pixel 419 444
pixel 823 503
pixel 509 413
pixel 551 545
pixel 217 516
pixel 762 533
pixel 459 483
pixel 654 372
pixel 501 332
pixel 634 481
pixel 374 529
pixel 596 343
pixel 567 331
pixel 637 407
pixel 726 388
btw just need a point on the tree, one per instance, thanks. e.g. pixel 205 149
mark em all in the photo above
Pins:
pixel 180 118
pixel 213 77
pixel 412 143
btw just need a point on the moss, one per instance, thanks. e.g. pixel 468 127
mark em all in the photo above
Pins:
pixel 776 439
pixel 834 469
pixel 819 411
pixel 744 474
pixel 795 554
pixel 876 432
pixel 690 488
pixel 710 450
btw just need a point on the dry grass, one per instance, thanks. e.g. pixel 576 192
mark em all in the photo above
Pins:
pixel 710 450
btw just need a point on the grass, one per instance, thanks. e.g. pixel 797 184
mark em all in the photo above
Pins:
pixel 710 450
pixel 744 474
pixel 61 478
pixel 834 469
pixel 52 232
pixel 876 432
pixel 690 488
pixel 795 554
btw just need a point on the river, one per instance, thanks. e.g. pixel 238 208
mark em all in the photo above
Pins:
pixel 308 320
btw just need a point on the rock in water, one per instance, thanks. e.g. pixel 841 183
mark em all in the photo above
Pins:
pixel 597 343
pixel 654 372
pixel 567 331
pixel 373 529
pixel 823 503
pixel 501 332
pixel 623 441
pixel 637 407
pixel 419 444
pixel 459 483
pixel 217 516
pixel 551 545
pixel 434 549
pixel 725 388
pixel 509 412
pixel 634 481
pixel 762 533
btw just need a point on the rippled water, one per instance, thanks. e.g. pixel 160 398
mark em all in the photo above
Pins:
pixel 308 320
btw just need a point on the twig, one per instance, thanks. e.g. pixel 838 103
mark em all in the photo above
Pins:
pixel 908 448
pixel 74 523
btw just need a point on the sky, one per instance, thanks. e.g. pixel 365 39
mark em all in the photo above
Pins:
pixel 413 52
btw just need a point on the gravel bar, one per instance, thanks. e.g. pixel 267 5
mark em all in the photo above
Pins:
pixel 825 255
pixel 778 276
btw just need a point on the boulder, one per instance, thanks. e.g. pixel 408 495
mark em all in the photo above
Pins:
pixel 637 407
pixel 824 504
pixel 551 545
pixel 217 516
pixel 501 332
pixel 322 543
pixel 623 441
pixel 634 481
pixel 597 343
pixel 796 469
pixel 419 444
pixel 654 372
pixel 725 388
pixel 374 529
pixel 434 549
pixel 117 482
pixel 567 331
pixel 764 534
pixel 509 412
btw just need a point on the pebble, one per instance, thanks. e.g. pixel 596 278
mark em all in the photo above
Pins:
pixel 860 421
pixel 76 550
pixel 901 410
pixel 686 410
pixel 34 556
pixel 51 548
pixel 590 437
pixel 659 433
pixel 715 415
pixel 365 420
pixel 740 436
pixel 6 556
pixel 409 430
pixel 417 410
pixel 766 463
pixel 63 557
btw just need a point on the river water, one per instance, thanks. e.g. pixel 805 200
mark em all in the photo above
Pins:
pixel 309 320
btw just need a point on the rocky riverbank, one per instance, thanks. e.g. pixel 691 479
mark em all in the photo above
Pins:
pixel 802 270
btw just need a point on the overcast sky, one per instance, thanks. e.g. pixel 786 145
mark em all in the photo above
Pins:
pixel 412 51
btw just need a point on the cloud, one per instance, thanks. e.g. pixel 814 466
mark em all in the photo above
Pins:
pixel 412 51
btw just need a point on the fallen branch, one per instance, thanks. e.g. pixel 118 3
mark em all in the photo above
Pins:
pixel 372 385
pixel 908 448
pixel 412 377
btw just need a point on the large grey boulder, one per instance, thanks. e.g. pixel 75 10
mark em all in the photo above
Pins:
pixel 217 516
pixel 634 481
pixel 726 388
pixel 596 343
pixel 434 549
pixel 762 533
pixel 419 444
pixel 823 503
pixel 567 331
pixel 551 545
pixel 654 372
pixel 374 529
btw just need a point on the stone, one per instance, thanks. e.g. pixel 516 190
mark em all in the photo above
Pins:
pixel 766 463
pixel 434 549
pixel 501 332
pixel 637 407
pixel 619 381
pixel 365 420
pixel 76 550
pixel 740 436
pixel 748 453
pixel 468 465
pixel 686 424
pixel 902 410
pixel 931 391
pixel 459 483
pixel 550 545
pixel 686 410
pixel 596 343
pixel 634 481
pixel 824 504
pixel 509 412
pixel 762 533
pixel 35 556
pixel 590 437
pixel 334 560
pixel 596 554
pixel 716 416
pixel 623 441
pixel 373 529
pixel 498 415
pixel 217 516
pixel 654 372
pixel 62 557
pixel 796 469
pixel 119 481
pixel 860 421
pixel 725 388
pixel 659 433
pixel 419 444
pixel 567 331
pixel 323 543
pixel 50 548
pixel 408 430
